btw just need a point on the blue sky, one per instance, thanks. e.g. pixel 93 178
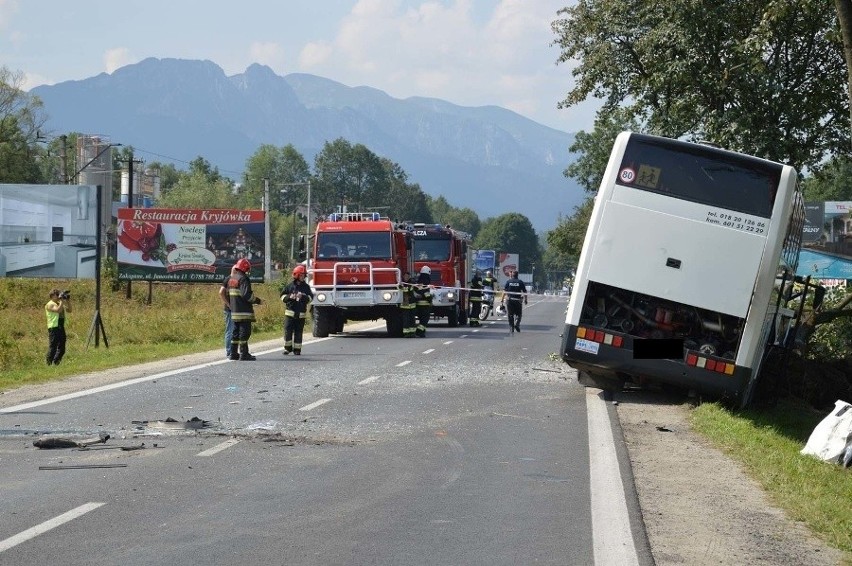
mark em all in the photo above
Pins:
pixel 468 52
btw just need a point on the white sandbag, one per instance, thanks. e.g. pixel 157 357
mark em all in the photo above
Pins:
pixel 829 439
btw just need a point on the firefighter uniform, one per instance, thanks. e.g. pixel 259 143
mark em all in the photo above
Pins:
pixel 408 306
pixel 423 299
pixel 241 299
pixel 296 297
pixel 475 299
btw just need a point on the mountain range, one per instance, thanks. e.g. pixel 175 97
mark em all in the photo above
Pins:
pixel 488 158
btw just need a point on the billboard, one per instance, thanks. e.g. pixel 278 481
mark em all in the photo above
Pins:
pixel 188 245
pixel 827 240
pixel 48 231
pixel 508 263
pixel 483 260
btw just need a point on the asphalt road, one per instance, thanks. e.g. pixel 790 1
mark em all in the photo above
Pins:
pixel 469 446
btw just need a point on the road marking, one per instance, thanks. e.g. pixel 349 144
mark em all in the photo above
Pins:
pixel 611 536
pixel 315 404
pixel 47 525
pixel 429 351
pixel 475 330
pixel 463 336
pixel 370 379
pixel 448 342
pixel 219 447
pixel 134 381
pixel 405 363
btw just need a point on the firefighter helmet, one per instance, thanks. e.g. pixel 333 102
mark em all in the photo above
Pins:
pixel 299 270
pixel 501 309
pixel 243 265
pixel 426 269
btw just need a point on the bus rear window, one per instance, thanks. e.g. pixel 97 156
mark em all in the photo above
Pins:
pixel 701 174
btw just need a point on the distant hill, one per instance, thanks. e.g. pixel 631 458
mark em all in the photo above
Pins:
pixel 489 159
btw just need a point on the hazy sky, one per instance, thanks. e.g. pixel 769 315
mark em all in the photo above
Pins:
pixel 468 52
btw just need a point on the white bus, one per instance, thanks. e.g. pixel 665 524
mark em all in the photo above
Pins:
pixel 677 276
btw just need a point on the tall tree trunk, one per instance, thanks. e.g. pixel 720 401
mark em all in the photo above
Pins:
pixel 844 15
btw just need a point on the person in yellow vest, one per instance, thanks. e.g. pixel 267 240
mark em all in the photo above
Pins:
pixel 55 309
pixel 423 298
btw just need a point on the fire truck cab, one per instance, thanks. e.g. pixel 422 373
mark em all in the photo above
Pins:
pixel 359 262
pixel 447 253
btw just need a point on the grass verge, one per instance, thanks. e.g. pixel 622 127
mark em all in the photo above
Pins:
pixel 767 442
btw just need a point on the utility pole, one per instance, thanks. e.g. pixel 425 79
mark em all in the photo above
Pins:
pixel 267 246
pixel 130 167
pixel 63 158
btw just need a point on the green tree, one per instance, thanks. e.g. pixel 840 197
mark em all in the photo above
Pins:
pixel 511 233
pixel 593 148
pixel 21 120
pixel 287 172
pixel 463 219
pixel 440 208
pixel 766 77
pixel 195 189
pixel 566 240
pixel 348 175
pixel 831 181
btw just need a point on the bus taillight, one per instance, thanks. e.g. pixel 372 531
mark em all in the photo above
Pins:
pixel 600 337
pixel 719 366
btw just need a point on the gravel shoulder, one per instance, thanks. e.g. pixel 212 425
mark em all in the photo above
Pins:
pixel 699 506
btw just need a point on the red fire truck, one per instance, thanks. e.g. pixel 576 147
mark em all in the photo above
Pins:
pixel 447 253
pixel 358 263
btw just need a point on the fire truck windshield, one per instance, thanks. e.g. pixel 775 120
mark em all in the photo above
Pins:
pixel 349 245
pixel 431 249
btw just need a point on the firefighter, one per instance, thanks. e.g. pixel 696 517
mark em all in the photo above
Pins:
pixel 489 284
pixel 423 298
pixel 408 306
pixel 475 298
pixel 242 301
pixel 515 294
pixel 296 297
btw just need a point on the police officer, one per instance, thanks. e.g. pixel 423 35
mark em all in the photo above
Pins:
pixel 296 297
pixel 242 299
pixel 475 297
pixel 515 294
pixel 423 299
pixel 408 306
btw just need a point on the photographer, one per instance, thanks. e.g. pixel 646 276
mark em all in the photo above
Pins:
pixel 55 309
pixel 296 297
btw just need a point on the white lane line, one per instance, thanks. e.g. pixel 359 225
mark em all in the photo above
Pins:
pixel 447 342
pixel 405 363
pixel 370 379
pixel 315 404
pixel 47 525
pixel 475 330
pixel 134 381
pixel 429 351
pixel 219 447
pixel 611 536
pixel 463 336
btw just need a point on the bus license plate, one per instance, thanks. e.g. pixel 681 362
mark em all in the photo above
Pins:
pixel 587 346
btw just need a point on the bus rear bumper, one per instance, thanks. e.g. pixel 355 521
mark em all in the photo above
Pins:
pixel 610 367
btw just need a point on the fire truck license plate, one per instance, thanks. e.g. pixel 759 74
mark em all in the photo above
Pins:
pixel 353 294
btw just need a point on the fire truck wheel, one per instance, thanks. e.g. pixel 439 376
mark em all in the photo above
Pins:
pixel 393 322
pixel 321 323
pixel 453 317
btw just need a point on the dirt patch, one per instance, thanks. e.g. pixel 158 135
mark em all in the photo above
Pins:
pixel 698 505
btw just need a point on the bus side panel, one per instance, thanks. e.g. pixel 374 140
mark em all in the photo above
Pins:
pixel 669 257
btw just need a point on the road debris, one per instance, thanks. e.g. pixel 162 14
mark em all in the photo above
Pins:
pixel 56 442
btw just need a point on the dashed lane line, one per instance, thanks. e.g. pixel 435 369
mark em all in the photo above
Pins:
pixel 429 351
pixel 315 404
pixel 219 447
pixel 370 379
pixel 47 525
pixel 405 363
